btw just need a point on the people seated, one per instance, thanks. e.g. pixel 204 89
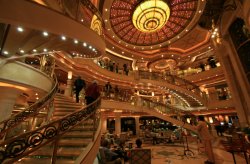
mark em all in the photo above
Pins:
pixel 109 154
pixel 138 143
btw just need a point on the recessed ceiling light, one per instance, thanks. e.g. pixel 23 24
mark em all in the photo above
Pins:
pixel 209 47
pixel 142 58
pixel 119 41
pixel 151 47
pixel 81 20
pixel 186 29
pixel 45 33
pixel 85 44
pixel 160 45
pixel 90 47
pixel 189 56
pixel 108 29
pixel 142 48
pixel 122 52
pixel 76 41
pixel 63 37
pixel 19 29
pixel 199 11
pixel 126 45
pixel 106 20
pixel 172 55
pixel 106 9
pixel 134 47
pixel 22 51
pixel 161 55
pixel 45 50
pixel 113 47
pixel 34 50
pixel 178 37
pixel 6 52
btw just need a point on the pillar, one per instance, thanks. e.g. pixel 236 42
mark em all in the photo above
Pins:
pixel 137 126
pixel 104 124
pixel 68 89
pixel 235 78
pixel 118 124
pixel 8 98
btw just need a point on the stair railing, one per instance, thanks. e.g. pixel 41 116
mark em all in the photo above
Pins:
pixel 44 103
pixel 172 79
pixel 169 110
pixel 17 147
pixel 162 108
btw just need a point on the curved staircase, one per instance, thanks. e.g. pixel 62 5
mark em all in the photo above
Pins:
pixel 71 144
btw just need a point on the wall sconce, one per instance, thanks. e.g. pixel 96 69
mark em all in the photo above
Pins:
pixel 153 94
pixel 70 75
pixel 211 120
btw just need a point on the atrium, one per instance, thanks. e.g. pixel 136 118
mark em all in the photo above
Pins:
pixel 168 62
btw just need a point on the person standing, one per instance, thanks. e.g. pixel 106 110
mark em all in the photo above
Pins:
pixel 79 84
pixel 108 89
pixel 92 92
pixel 125 67
pixel 206 139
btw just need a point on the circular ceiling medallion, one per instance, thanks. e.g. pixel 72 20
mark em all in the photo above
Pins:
pixel 151 15
pixel 138 23
pixel 162 64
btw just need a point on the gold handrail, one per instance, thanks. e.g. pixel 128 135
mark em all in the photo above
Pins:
pixel 17 147
pixel 34 109
pixel 30 111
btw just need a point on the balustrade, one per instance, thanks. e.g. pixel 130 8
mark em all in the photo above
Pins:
pixel 43 105
pixel 17 147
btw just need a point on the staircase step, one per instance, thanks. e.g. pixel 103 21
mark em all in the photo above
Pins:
pixel 62 151
pixel 77 134
pixel 70 106
pixel 74 142
pixel 41 160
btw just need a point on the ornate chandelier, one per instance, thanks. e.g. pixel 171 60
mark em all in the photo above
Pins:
pixel 151 15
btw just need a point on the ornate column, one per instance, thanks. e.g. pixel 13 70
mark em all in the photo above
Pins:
pixel 104 123
pixel 236 81
pixel 68 89
pixel 8 98
pixel 117 123
pixel 137 125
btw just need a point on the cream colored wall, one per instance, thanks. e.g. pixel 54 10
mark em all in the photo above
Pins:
pixel 23 75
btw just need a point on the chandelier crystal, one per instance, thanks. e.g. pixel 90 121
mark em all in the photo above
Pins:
pixel 151 15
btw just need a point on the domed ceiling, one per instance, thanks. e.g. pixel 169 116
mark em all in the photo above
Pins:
pixel 150 22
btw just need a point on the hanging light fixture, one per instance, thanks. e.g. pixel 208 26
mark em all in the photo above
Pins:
pixel 151 15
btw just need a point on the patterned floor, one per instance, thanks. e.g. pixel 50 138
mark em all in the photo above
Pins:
pixel 174 154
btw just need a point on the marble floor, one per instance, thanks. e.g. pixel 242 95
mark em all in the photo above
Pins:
pixel 174 154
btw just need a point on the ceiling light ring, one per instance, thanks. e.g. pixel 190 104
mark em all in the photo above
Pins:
pixel 145 12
